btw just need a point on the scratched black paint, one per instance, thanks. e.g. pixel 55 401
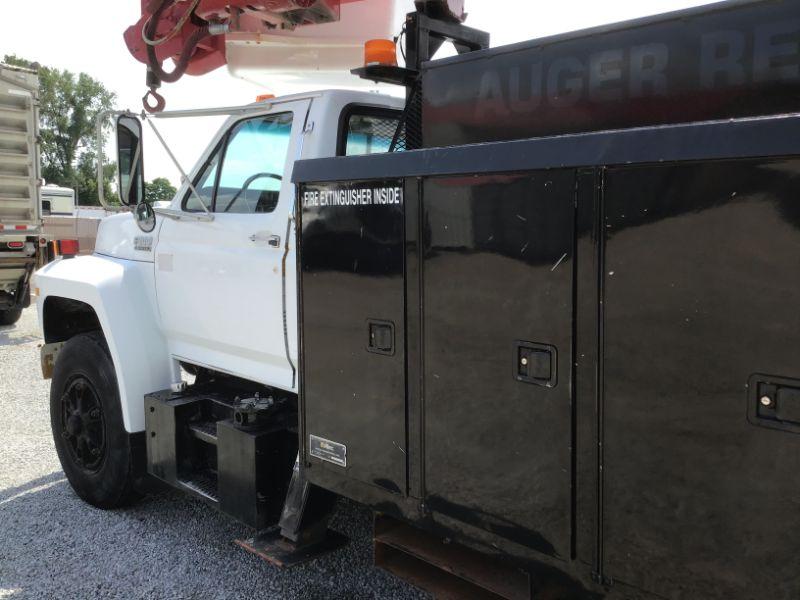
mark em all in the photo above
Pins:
pixel 498 268
pixel 351 270
pixel 733 60
pixel 696 264
pixel 701 292
pixel 662 264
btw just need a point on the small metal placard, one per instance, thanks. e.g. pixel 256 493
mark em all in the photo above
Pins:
pixel 327 450
pixel 143 243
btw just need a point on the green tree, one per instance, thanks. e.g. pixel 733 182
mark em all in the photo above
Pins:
pixel 86 180
pixel 70 105
pixel 159 189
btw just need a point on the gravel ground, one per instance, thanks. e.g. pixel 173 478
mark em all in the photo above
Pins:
pixel 167 546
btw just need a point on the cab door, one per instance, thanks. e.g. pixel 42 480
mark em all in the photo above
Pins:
pixel 221 283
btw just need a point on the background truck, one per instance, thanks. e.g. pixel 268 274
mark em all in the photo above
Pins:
pixel 553 344
pixel 20 216
pixel 64 219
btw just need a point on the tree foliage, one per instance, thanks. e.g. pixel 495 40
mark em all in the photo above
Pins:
pixel 85 178
pixel 70 105
pixel 159 189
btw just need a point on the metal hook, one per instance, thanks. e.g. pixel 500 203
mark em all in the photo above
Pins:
pixel 160 102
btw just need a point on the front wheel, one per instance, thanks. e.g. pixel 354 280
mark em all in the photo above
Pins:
pixel 86 418
pixel 10 316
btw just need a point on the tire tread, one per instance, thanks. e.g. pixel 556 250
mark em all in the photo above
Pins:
pixel 121 492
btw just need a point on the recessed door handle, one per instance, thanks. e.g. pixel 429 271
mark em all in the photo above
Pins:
pixel 274 241
pixel 535 363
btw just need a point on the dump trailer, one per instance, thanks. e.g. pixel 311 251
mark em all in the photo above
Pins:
pixel 20 214
pixel 541 317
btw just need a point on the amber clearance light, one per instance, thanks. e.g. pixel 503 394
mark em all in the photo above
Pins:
pixel 380 52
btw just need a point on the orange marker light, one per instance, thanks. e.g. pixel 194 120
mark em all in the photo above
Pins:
pixel 380 52
pixel 264 97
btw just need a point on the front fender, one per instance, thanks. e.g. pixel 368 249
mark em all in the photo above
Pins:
pixel 122 295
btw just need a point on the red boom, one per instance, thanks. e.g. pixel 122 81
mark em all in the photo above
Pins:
pixel 179 20
pixel 190 32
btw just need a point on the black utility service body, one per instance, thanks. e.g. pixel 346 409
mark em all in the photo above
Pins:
pixel 565 333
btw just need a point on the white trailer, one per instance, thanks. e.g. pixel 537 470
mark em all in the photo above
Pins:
pixel 64 219
pixel 57 201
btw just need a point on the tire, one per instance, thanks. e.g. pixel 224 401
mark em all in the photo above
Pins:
pixel 10 316
pixel 86 418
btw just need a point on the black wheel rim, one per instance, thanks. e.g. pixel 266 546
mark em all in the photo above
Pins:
pixel 82 425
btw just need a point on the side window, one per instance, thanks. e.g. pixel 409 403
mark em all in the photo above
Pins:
pixel 369 131
pixel 252 169
pixel 204 184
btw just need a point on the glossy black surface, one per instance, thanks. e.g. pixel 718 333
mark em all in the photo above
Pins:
pixel 351 273
pixel 701 292
pixel 770 136
pixel 497 269
pixel 732 59
pixel 646 471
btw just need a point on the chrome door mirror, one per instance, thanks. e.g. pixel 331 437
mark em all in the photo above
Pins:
pixel 130 160
pixel 145 217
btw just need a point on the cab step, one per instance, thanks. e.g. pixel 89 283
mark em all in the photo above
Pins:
pixel 205 431
pixel 444 569
pixel 202 484
pixel 234 454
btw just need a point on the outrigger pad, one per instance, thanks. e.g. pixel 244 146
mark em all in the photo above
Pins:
pixel 281 552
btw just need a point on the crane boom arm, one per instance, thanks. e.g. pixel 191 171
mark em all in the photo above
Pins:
pixel 193 32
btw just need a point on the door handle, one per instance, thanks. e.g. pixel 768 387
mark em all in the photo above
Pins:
pixel 535 363
pixel 274 241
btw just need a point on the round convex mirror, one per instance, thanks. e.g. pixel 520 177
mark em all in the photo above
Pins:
pixel 145 217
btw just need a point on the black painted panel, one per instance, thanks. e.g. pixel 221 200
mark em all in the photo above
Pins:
pixel 351 264
pixel 776 135
pixel 498 268
pixel 701 291
pixel 587 355
pixel 725 61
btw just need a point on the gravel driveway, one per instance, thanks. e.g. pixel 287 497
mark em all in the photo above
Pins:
pixel 52 545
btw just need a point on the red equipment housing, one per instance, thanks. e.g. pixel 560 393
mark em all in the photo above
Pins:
pixel 192 32
pixel 179 20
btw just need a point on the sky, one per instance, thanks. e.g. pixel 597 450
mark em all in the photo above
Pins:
pixel 90 40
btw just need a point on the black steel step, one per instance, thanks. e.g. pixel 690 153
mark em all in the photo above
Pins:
pixel 202 484
pixel 446 570
pixel 205 431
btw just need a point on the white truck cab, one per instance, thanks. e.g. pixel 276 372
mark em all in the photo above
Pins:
pixel 213 285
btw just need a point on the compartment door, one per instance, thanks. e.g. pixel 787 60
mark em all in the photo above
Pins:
pixel 702 373
pixel 498 279
pixel 353 334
